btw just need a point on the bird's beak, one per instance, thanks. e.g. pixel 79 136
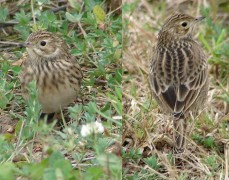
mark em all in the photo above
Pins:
pixel 199 19
pixel 26 44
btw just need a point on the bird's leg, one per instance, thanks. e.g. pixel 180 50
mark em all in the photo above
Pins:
pixel 179 123
pixel 48 116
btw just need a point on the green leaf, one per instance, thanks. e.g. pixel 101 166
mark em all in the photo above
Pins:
pixel 16 69
pixel 92 108
pixel 101 145
pixel 33 106
pixel 209 142
pixel 118 54
pixel 49 173
pixel 18 126
pixel 9 137
pixel 47 19
pixel 204 42
pixel 99 14
pixel 23 18
pixel 73 17
pixel 75 111
pixel 93 173
pixel 5 67
pixel 89 4
pixel 3 100
pixel 3 14
pixel 7 171
pixel 74 4
pixel 152 162
pixel 116 100
pixel 221 37
pixel 37 169
pixel 59 164
pixel 110 160
pixel 23 30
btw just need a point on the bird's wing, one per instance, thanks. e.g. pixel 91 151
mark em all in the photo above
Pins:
pixel 164 94
pixel 178 98
pixel 189 90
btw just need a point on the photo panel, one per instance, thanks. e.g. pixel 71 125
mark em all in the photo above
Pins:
pixel 175 79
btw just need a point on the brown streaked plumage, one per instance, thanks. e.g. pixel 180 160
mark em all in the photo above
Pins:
pixel 57 74
pixel 178 73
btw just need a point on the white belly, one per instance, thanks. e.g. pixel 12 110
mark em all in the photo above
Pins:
pixel 55 100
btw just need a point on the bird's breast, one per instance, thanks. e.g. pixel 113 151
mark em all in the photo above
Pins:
pixel 58 83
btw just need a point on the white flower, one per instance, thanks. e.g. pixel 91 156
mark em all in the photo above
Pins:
pixel 85 131
pixel 98 127
pixel 92 128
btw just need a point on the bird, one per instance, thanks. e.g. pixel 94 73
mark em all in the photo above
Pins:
pixel 179 74
pixel 57 74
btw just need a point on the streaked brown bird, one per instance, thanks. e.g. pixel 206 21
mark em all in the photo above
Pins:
pixel 178 73
pixel 56 72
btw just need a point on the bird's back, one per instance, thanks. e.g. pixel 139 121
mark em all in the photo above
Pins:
pixel 178 75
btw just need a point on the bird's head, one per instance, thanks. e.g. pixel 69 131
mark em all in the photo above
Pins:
pixel 45 45
pixel 180 25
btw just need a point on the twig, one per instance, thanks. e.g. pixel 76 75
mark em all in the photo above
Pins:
pixel 12 43
pixel 85 36
pixel 226 105
pixel 33 15
pixel 118 8
pixel 226 150
pixel 83 165
pixel 61 8
pixel 6 24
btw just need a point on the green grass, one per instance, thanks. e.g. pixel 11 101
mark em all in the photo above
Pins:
pixel 147 133
pixel 37 149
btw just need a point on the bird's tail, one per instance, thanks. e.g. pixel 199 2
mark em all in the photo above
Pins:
pixel 179 133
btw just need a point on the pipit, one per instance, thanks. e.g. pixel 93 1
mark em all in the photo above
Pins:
pixel 56 73
pixel 178 73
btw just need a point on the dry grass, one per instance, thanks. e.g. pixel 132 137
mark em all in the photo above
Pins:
pixel 149 131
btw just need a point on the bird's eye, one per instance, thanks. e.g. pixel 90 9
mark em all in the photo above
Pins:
pixel 43 43
pixel 184 24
